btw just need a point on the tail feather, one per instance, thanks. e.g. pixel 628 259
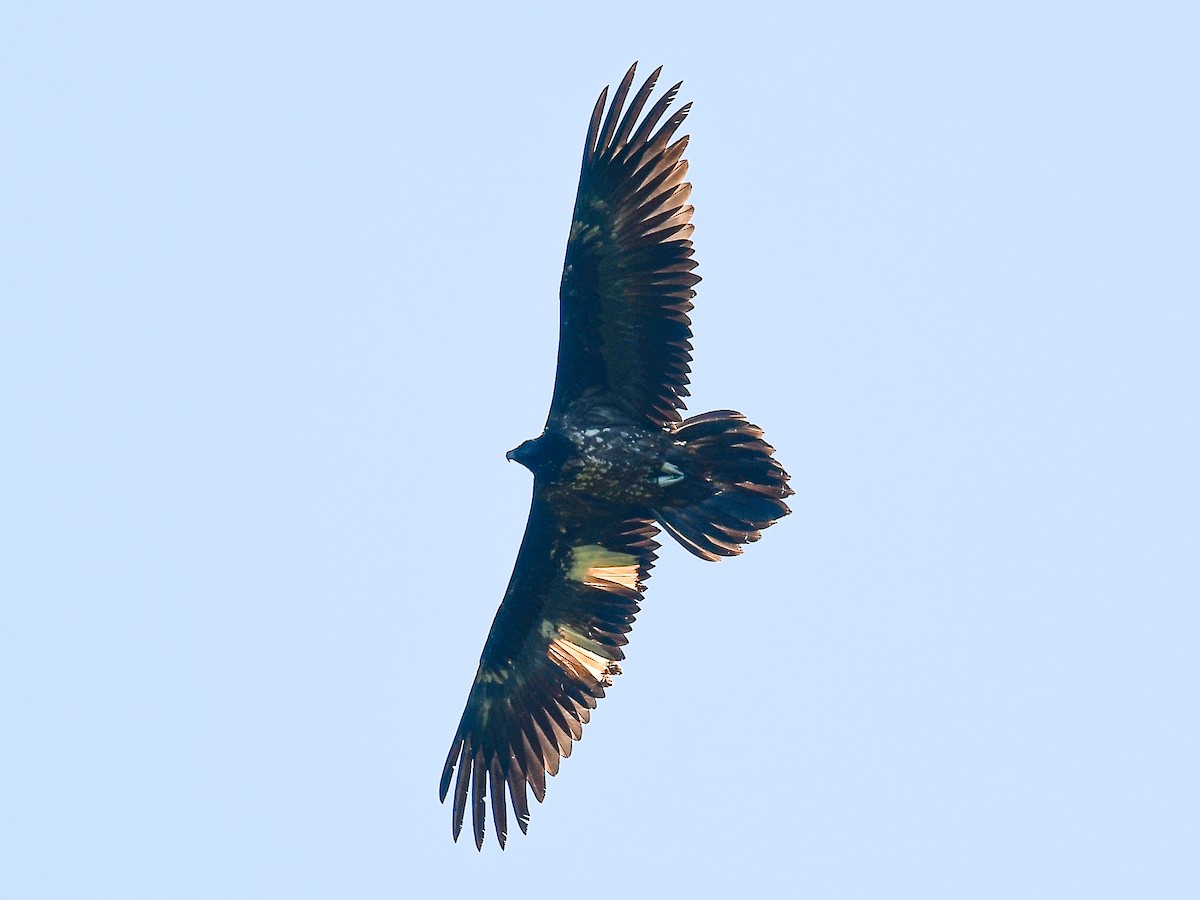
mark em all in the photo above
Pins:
pixel 736 488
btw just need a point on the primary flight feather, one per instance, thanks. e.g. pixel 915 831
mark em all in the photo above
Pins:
pixel 614 464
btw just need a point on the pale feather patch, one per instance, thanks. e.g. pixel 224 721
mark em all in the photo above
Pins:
pixel 576 654
pixel 625 576
pixel 598 566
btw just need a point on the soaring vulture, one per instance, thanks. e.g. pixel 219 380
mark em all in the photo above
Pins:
pixel 614 464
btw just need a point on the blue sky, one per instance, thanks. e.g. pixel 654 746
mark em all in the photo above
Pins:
pixel 278 291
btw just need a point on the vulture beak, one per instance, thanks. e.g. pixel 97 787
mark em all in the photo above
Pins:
pixel 524 454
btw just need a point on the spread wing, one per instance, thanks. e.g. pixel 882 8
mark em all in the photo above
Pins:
pixel 552 651
pixel 627 279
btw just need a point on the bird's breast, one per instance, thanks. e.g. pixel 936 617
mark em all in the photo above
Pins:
pixel 614 464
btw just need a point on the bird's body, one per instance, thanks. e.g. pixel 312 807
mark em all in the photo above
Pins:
pixel 614 464
pixel 601 463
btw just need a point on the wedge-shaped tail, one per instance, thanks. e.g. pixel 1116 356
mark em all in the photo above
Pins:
pixel 735 487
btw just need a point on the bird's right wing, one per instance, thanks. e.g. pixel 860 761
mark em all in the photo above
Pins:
pixel 551 652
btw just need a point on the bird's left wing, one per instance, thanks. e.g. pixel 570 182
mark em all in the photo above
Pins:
pixel 624 331
pixel 550 654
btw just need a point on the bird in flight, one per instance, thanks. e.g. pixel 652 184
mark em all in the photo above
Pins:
pixel 614 464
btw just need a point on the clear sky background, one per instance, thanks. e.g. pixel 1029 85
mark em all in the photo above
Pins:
pixel 278 291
